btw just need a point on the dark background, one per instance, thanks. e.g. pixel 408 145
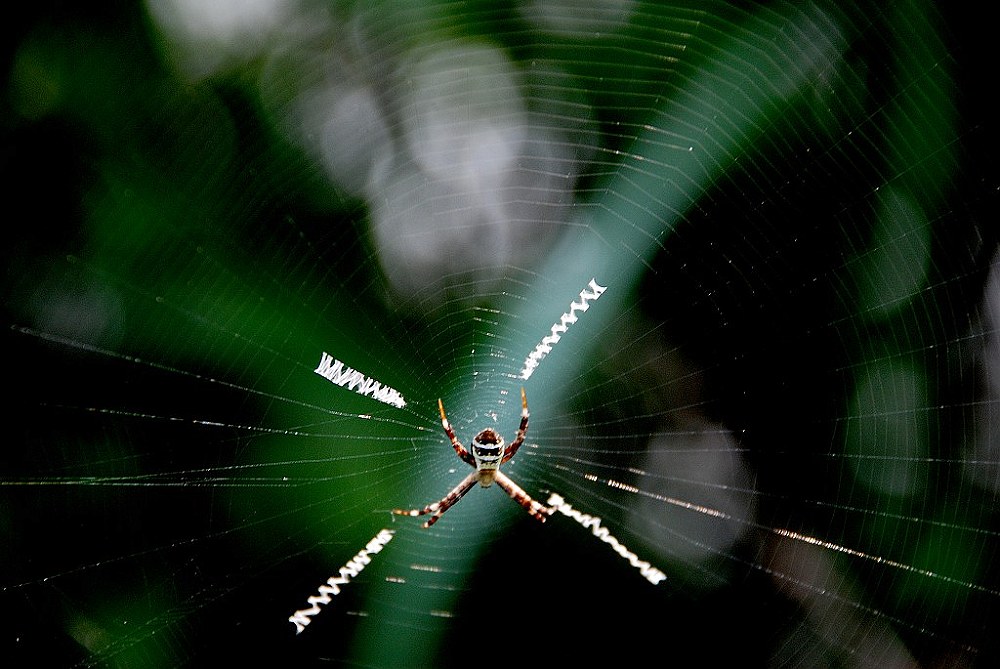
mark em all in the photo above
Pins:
pixel 174 264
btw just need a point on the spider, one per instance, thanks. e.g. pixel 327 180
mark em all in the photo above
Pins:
pixel 488 452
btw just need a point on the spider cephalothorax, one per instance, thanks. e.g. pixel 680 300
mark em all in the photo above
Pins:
pixel 487 453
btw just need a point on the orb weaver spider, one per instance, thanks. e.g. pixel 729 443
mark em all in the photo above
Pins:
pixel 487 452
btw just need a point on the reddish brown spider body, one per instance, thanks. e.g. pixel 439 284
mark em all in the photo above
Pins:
pixel 487 452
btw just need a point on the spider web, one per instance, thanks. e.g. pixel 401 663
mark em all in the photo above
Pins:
pixel 784 397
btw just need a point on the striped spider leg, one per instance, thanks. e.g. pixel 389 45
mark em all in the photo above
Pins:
pixel 487 452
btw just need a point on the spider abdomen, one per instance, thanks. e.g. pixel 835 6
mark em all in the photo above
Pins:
pixel 488 450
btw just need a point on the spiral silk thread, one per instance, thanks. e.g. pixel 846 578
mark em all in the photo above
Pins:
pixel 303 617
pixel 336 372
pixel 650 573
pixel 559 329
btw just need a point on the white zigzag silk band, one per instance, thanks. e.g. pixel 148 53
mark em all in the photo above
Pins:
pixel 336 372
pixel 303 617
pixel 559 329
pixel 649 572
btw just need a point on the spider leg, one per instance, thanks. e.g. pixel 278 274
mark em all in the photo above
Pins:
pixel 536 509
pixel 461 450
pixel 521 431
pixel 438 508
